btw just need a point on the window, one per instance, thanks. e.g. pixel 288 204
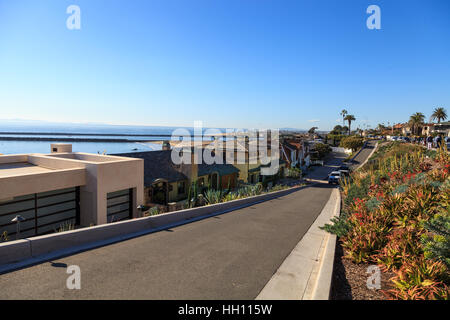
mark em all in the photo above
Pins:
pixel 181 187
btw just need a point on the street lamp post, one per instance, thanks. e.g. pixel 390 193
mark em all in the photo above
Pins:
pixel 18 219
pixel 141 209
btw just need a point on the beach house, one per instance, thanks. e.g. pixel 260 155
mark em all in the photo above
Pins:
pixel 65 189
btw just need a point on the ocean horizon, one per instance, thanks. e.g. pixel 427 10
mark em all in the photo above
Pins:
pixel 37 129
pixel 56 132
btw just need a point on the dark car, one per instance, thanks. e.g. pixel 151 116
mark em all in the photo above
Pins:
pixel 344 170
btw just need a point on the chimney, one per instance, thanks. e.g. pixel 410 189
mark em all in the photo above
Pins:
pixel 166 145
pixel 61 148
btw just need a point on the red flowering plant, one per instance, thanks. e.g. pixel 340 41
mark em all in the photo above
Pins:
pixel 421 203
pixel 387 205
pixel 367 234
pixel 402 244
pixel 420 279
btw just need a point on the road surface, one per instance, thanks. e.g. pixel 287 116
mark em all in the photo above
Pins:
pixel 230 256
pixel 362 156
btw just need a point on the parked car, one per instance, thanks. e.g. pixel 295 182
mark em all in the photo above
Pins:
pixel 334 177
pixel 344 170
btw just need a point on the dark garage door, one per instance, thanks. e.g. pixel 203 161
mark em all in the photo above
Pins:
pixel 119 205
pixel 44 212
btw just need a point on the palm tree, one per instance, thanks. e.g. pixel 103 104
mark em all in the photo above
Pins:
pixel 312 130
pixel 349 118
pixel 344 129
pixel 416 120
pixel 439 114
pixel 343 114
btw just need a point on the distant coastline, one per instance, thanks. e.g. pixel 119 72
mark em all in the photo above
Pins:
pixel 87 134
pixel 35 137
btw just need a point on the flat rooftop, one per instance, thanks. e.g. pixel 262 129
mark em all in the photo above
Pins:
pixel 20 168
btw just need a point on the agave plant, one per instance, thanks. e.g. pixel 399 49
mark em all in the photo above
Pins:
pixel 66 226
pixel 420 278
pixel 153 211
pixel 213 196
pixel 230 196
pixel 4 236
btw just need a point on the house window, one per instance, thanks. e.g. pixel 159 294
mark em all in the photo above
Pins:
pixel 181 187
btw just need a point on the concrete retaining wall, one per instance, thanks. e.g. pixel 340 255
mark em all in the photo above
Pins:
pixel 16 251
pixel 341 150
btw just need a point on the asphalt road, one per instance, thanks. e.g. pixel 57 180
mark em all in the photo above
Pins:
pixel 362 156
pixel 231 256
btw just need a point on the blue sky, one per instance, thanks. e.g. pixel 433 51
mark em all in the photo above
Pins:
pixel 233 63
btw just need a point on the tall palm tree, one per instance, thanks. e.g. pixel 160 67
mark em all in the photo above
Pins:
pixel 343 114
pixel 349 118
pixel 439 114
pixel 416 120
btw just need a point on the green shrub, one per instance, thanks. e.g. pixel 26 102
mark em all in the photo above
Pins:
pixel 294 173
pixel 352 142
pixel 437 243
pixel 322 149
pixel 153 211
pixel 400 189
pixel 373 203
pixel 339 226
pixel 278 187
pixel 356 191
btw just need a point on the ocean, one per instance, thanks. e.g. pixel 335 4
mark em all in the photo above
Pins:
pixel 21 136
pixel 95 138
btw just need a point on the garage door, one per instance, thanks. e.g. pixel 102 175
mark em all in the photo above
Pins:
pixel 119 205
pixel 44 212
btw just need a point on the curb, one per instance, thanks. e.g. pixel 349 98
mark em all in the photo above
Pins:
pixel 322 286
pixel 306 273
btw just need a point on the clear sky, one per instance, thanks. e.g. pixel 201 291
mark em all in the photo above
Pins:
pixel 228 63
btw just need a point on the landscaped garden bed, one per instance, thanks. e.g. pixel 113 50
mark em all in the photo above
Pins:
pixel 211 196
pixel 395 215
